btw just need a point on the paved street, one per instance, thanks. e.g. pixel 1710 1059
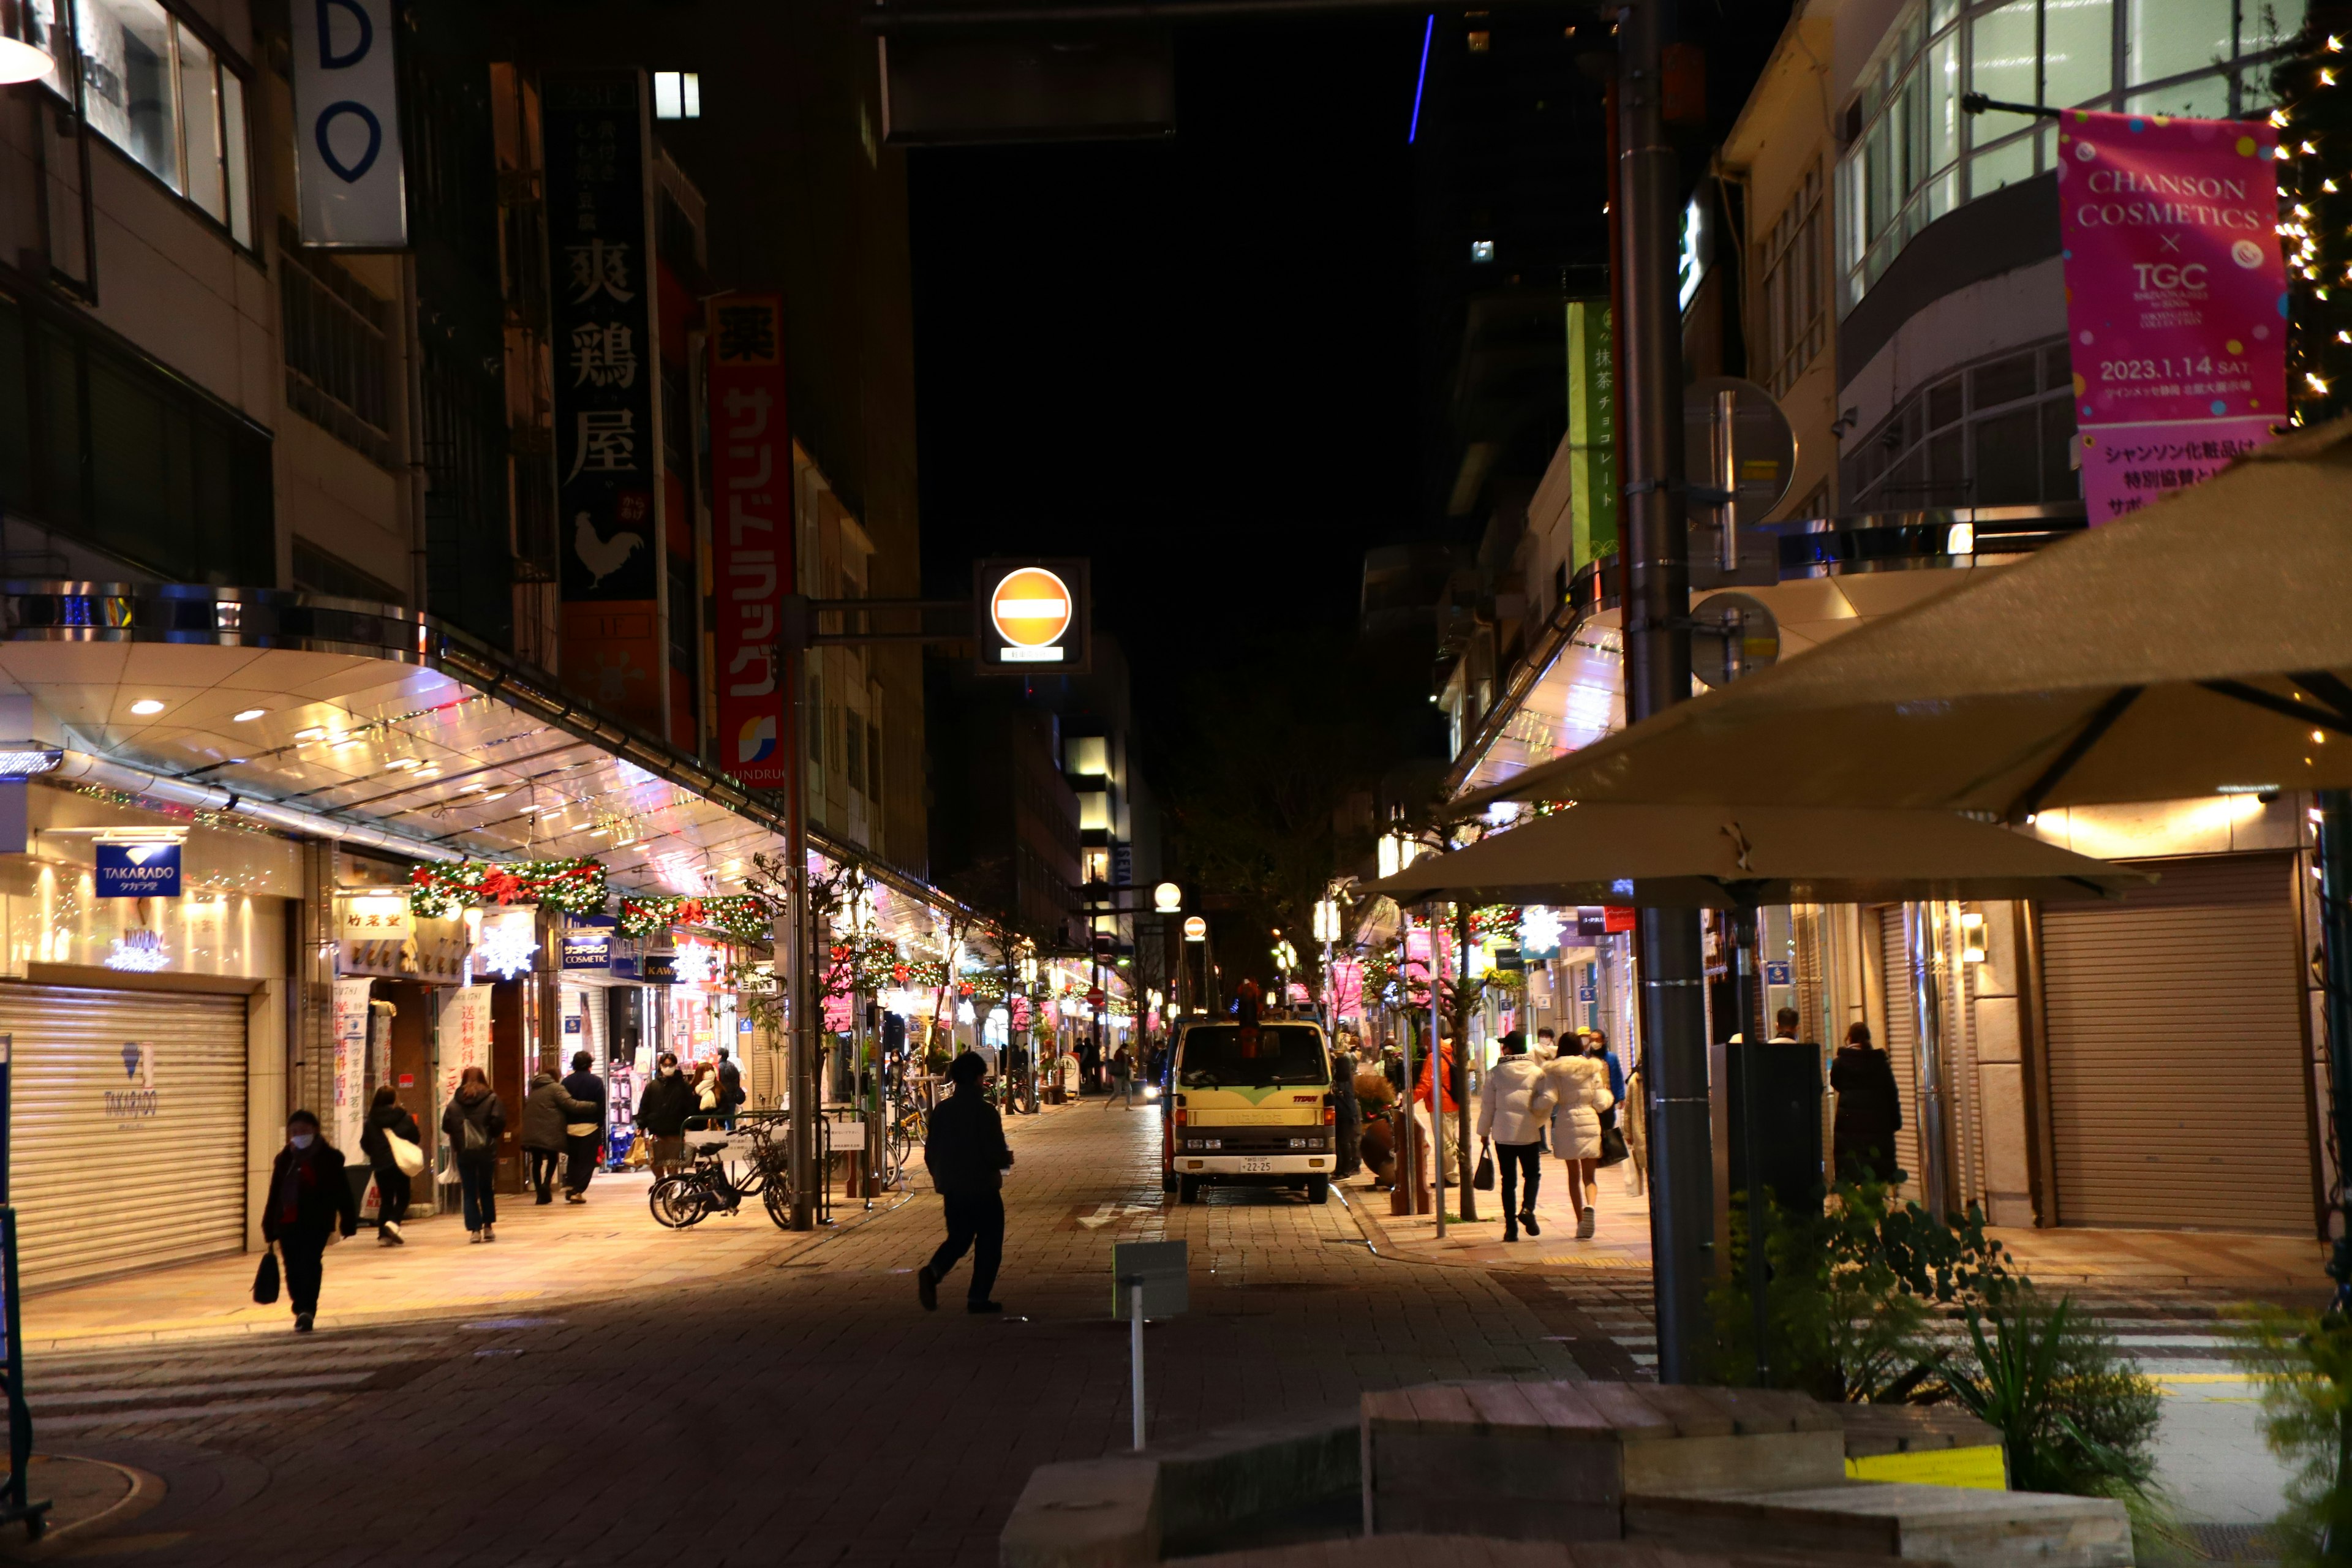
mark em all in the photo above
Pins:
pixel 802 1411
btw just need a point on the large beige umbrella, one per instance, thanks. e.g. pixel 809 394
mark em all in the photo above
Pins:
pixel 1717 856
pixel 2203 645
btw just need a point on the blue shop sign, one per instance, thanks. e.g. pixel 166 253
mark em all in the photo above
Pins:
pixel 138 870
pixel 1777 971
pixel 588 947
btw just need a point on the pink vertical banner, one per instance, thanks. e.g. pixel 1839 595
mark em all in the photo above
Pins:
pixel 2175 298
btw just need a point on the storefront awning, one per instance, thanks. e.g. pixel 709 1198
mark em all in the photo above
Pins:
pixel 346 720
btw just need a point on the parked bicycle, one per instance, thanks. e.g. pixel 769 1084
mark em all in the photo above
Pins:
pixel 723 1173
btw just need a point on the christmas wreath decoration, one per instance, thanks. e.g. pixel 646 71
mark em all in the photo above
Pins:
pixel 575 887
pixel 741 917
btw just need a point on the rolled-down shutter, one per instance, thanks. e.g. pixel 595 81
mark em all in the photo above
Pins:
pixel 1902 1041
pixel 128 1130
pixel 2177 1095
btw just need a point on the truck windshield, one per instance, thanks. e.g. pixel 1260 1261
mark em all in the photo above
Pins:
pixel 1217 1054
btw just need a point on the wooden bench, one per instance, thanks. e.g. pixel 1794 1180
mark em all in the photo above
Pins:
pixel 1465 1551
pixel 1556 1461
pixel 1964 1527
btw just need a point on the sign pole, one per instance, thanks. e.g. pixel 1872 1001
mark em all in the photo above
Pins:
pixel 1658 674
pixel 794 932
pixel 1135 1353
pixel 1437 1072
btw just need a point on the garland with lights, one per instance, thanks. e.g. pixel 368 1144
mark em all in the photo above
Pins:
pixel 2314 87
pixel 575 887
pixel 1498 920
pixel 741 917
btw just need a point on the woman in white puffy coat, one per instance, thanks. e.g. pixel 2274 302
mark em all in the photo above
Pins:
pixel 1512 1102
pixel 1580 1093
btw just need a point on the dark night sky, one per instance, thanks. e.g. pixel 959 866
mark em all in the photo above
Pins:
pixel 1189 360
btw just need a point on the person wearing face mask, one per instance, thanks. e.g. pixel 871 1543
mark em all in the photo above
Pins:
pixel 309 1200
pixel 662 1111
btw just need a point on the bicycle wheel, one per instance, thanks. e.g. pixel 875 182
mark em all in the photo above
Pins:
pixel 678 1201
pixel 901 1142
pixel 778 1197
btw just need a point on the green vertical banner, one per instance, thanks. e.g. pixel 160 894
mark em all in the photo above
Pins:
pixel 1591 432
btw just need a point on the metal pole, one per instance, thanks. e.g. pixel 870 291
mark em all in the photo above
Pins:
pixel 1437 1072
pixel 1658 674
pixel 1744 1077
pixel 1404 1041
pixel 796 933
pixel 1135 1355
pixel 2335 957
pixel 1724 474
pixel 1927 1018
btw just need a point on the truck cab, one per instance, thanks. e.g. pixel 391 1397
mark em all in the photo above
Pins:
pixel 1250 1105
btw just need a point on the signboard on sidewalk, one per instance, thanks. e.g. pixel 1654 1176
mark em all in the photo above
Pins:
pixel 2175 298
pixel 465 1035
pixel 751 530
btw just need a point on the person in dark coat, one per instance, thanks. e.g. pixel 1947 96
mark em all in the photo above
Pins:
pixel 967 1157
pixel 547 1110
pixel 1869 1108
pixel 581 1150
pixel 388 1119
pixel 1346 1158
pixel 730 1088
pixel 473 1123
pixel 662 1111
pixel 309 1200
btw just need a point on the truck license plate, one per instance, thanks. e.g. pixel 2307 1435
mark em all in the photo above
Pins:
pixel 1257 1164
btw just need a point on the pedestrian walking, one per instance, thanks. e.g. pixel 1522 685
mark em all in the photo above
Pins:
pixel 388 1119
pixel 1122 1079
pixel 1580 1093
pixel 583 1139
pixel 1596 1044
pixel 310 1202
pixel 548 1111
pixel 1869 1109
pixel 473 1123
pixel 1545 1047
pixel 967 1157
pixel 706 1090
pixel 662 1111
pixel 1513 1103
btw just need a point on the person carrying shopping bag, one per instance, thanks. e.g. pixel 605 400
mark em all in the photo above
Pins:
pixel 1512 1104
pixel 310 1201
pixel 473 1123
pixel 395 1146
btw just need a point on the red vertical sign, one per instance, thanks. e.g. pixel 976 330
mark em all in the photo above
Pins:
pixel 751 530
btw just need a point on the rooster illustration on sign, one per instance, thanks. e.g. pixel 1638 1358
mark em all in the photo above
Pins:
pixel 603 556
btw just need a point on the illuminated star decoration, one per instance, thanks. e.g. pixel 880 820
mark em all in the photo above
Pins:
pixel 1539 930
pixel 505 950
pixel 141 951
pixel 694 965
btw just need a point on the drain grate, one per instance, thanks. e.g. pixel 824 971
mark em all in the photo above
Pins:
pixel 2233 1542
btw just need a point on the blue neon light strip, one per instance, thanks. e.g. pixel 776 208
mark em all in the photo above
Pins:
pixel 1422 80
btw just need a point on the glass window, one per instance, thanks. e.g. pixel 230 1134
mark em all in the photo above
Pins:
pixel 2269 24
pixel 2167 37
pixel 2199 98
pixel 2078 40
pixel 155 89
pixel 200 121
pixel 2005 164
pixel 2006 65
pixel 131 90
pixel 1214 1055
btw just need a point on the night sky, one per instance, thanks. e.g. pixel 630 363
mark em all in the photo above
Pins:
pixel 1189 360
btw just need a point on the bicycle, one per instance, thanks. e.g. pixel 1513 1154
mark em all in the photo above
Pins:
pixel 707 1187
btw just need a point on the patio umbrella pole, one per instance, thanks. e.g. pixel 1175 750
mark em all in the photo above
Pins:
pixel 1657 675
pixel 2335 955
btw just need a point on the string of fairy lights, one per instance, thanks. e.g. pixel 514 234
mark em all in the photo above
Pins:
pixel 2314 116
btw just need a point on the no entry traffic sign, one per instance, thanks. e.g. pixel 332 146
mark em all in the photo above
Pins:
pixel 1032 617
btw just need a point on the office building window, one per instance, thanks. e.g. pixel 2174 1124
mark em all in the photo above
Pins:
pixel 1795 317
pixel 677 95
pixel 1913 156
pixel 1996 433
pixel 336 333
pixel 155 89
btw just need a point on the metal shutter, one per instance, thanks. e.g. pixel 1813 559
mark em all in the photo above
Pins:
pixel 1902 1041
pixel 106 1190
pixel 2175 1050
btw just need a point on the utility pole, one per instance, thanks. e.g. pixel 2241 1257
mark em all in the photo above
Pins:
pixel 795 935
pixel 1655 546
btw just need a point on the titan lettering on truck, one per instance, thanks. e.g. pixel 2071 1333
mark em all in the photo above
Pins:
pixel 1252 1106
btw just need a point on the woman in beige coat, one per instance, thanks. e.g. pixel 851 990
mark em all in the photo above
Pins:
pixel 1580 1093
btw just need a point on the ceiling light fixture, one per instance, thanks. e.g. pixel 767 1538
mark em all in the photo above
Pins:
pixel 248 714
pixel 312 734
pixel 145 706
pixel 401 765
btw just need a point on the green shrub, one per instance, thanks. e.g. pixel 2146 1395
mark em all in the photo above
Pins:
pixel 2072 1417
pixel 2303 1363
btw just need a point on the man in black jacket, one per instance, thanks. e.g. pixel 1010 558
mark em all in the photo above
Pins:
pixel 967 1157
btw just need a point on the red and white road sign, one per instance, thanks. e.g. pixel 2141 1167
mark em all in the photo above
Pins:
pixel 1030 608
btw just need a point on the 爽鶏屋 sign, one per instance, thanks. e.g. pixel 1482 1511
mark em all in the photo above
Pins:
pixel 2175 298
pixel 138 870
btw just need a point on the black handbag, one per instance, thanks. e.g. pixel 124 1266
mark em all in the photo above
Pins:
pixel 1484 1177
pixel 264 1279
pixel 1613 1148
